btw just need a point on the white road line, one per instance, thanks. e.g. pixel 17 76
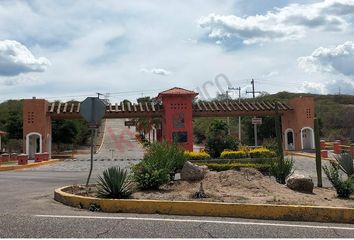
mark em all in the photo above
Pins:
pixel 199 221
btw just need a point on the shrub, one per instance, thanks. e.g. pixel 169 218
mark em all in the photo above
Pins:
pixel 264 168
pixel 262 153
pixel 343 188
pixel 164 155
pixel 270 143
pixel 114 183
pixel 196 155
pixel 147 177
pixel 159 164
pixel 218 139
pixel 227 154
pixel 282 169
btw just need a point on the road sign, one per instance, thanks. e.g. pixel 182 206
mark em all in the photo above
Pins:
pixel 92 109
pixel 256 120
pixel 130 123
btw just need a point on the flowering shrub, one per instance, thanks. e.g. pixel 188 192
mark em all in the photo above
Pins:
pixel 196 155
pixel 262 152
pixel 229 154
pixel 244 152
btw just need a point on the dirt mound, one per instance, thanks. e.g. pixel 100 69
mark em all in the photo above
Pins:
pixel 246 185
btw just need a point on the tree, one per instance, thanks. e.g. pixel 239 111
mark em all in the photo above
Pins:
pixel 14 125
pixel 218 139
pixel 266 130
pixel 64 131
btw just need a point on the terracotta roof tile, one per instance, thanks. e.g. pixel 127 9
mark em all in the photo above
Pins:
pixel 177 91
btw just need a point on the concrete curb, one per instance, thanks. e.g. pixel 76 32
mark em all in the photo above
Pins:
pixel 198 208
pixel 30 165
pixel 304 155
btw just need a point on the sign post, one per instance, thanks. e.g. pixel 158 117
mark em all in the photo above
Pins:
pixel 256 121
pixel 92 110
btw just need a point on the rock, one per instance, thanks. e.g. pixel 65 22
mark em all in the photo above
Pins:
pixel 191 172
pixel 300 183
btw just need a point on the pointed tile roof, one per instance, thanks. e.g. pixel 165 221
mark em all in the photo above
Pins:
pixel 177 91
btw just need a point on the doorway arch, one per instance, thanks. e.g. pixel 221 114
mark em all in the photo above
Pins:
pixel 289 139
pixel 307 138
pixel 33 144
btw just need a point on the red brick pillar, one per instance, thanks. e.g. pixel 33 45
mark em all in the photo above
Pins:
pixel 13 157
pixel 324 152
pixel 337 149
pixel 22 159
pixel 177 125
pixel 5 157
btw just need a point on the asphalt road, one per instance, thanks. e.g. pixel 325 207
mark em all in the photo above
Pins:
pixel 27 209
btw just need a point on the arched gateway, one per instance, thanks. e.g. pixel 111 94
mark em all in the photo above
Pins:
pixel 176 109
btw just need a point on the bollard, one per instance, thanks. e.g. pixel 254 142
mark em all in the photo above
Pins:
pixel 22 159
pixel 45 156
pixel 324 153
pixel 5 157
pixel 337 149
pixel 13 157
pixel 38 157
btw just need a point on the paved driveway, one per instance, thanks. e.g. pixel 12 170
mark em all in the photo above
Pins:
pixel 307 166
pixel 119 142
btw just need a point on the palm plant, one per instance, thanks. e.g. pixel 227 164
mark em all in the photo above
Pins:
pixel 114 183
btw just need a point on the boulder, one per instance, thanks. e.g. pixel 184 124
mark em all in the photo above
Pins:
pixel 300 183
pixel 191 172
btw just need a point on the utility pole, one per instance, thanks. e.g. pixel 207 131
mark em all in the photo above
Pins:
pixel 255 125
pixel 228 119
pixel 239 117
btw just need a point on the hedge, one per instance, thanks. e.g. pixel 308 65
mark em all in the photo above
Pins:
pixel 196 155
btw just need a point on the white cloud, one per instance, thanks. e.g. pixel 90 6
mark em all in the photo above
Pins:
pixel 339 59
pixel 290 22
pixel 329 87
pixel 157 71
pixel 313 87
pixel 15 59
pixel 21 80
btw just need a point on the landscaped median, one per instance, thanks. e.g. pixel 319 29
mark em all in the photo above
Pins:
pixel 215 209
pixel 29 165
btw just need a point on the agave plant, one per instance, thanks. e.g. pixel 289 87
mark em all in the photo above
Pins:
pixel 344 188
pixel 114 183
pixel 345 161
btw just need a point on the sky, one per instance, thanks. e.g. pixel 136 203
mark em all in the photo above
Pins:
pixel 62 50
